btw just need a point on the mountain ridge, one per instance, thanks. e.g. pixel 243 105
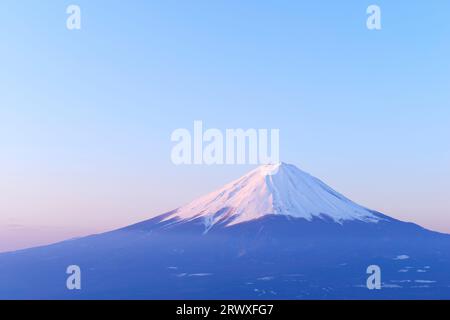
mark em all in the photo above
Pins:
pixel 280 189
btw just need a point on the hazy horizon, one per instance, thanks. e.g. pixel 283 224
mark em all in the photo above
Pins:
pixel 28 237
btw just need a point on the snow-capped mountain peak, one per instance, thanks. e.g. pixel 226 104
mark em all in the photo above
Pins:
pixel 279 189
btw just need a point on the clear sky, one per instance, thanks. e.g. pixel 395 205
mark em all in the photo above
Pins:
pixel 86 116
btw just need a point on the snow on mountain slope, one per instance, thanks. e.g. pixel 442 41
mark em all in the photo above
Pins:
pixel 280 189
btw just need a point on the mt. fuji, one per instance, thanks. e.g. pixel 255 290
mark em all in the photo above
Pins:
pixel 275 233
pixel 280 189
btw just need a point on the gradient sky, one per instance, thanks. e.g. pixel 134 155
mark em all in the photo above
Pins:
pixel 86 116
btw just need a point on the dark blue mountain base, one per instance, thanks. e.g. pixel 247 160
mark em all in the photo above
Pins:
pixel 274 257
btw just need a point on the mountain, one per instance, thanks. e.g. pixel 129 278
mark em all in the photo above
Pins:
pixel 275 233
pixel 280 189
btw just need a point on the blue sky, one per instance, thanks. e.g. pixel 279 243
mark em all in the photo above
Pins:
pixel 86 116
